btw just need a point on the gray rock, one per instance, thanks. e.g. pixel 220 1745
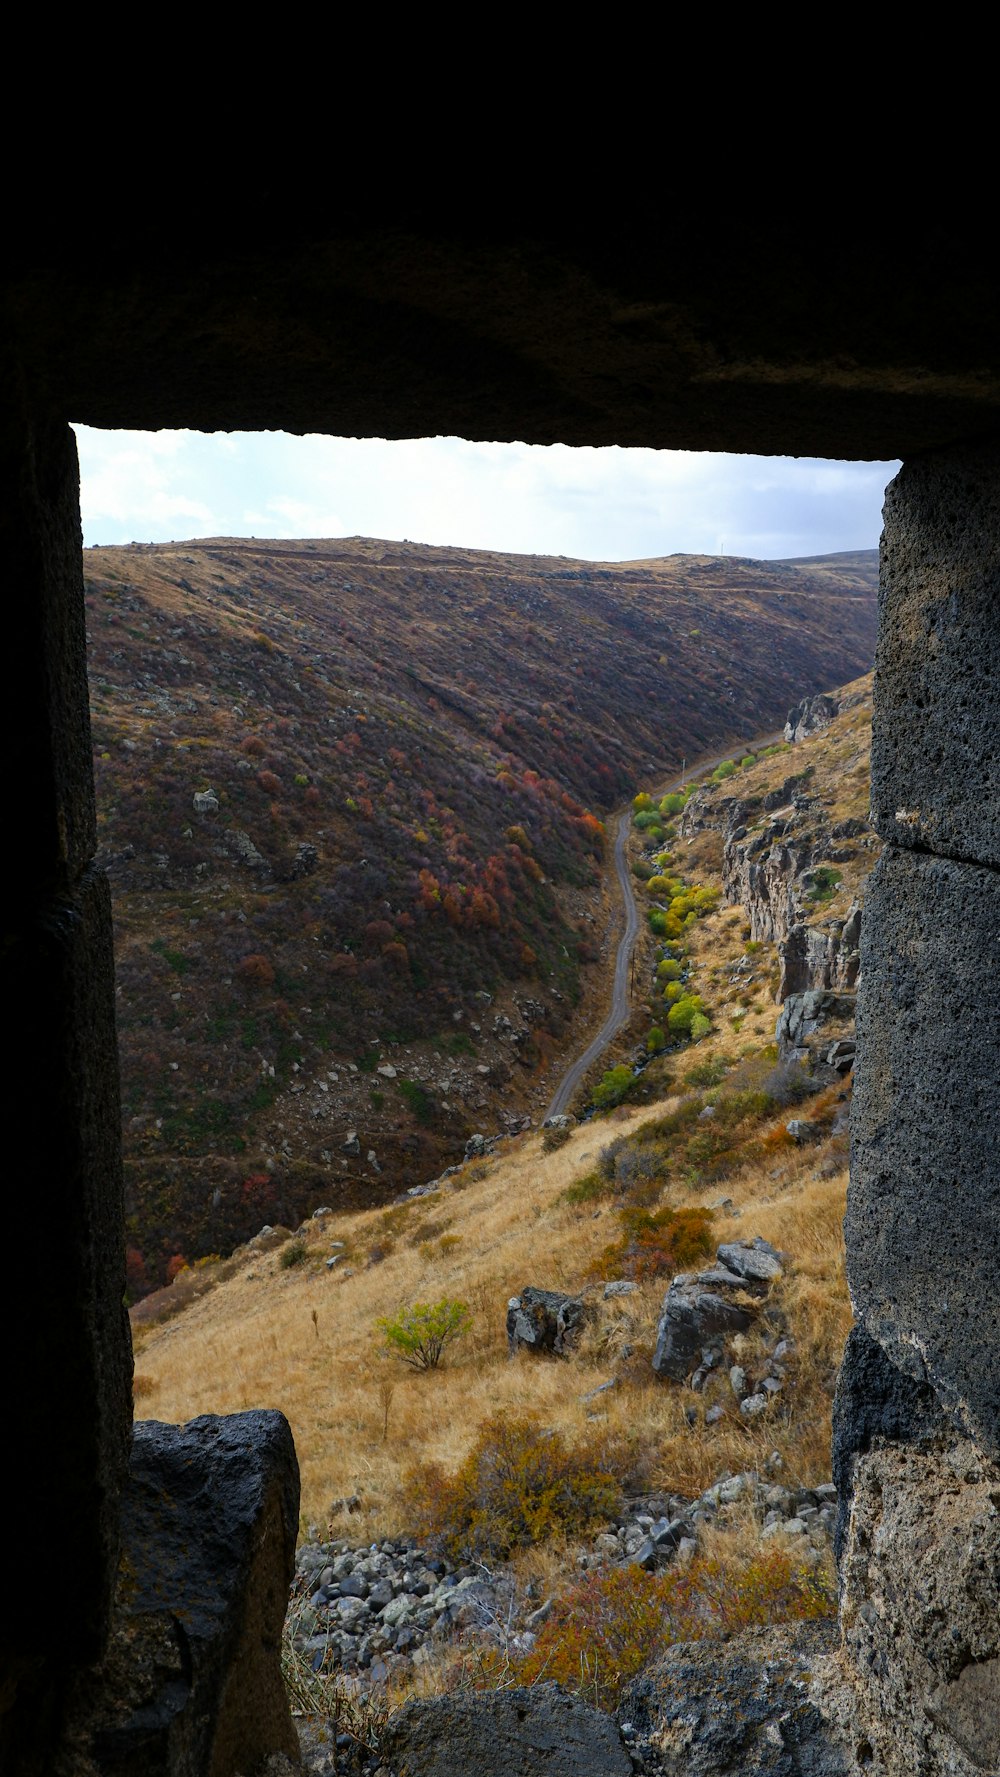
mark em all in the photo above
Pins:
pixel 738 1381
pixel 768 1703
pixel 692 1315
pixel 544 1320
pixel 802 1130
pixel 756 1261
pixel 519 1732
pixel 719 1277
pixel 192 1679
pixel 923 1215
pixel 206 802
pixel 922 1606
pixel 753 1405
pixel 804 1015
pixel 811 715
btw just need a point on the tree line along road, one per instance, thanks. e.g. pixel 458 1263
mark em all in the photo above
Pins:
pixel 621 1003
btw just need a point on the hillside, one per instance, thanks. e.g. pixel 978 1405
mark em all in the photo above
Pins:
pixel 350 798
pixel 729 1143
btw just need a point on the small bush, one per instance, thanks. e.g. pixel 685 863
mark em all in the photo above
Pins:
pixel 824 885
pixel 613 1087
pixel 589 1189
pixel 609 1626
pixel 655 1242
pixel 419 1334
pixel 683 1013
pixel 555 1138
pixel 519 1484
pixel 418 1099
pixel 292 1254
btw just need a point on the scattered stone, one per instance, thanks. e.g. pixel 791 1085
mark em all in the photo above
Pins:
pixel 753 1405
pixel 206 802
pixel 802 1130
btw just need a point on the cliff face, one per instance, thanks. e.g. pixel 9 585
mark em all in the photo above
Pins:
pixel 797 847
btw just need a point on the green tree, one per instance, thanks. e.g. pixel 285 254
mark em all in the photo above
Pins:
pixel 613 1087
pixel 420 1333
pixel 681 1014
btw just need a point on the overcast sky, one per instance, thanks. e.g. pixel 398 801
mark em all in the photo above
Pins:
pixel 600 505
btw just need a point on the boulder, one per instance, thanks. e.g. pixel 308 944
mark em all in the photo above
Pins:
pixel 192 1680
pixel 768 1703
pixel 756 1261
pixel 519 1732
pixel 544 1320
pixel 692 1317
pixel 206 802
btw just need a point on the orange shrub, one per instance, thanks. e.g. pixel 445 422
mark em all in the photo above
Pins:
pixel 605 1629
pixel 654 1242
pixel 519 1484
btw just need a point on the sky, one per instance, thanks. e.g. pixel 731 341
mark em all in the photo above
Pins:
pixel 593 504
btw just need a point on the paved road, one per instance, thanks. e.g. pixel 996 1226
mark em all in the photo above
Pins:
pixel 621 1004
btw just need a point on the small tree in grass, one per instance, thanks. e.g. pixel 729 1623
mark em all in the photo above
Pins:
pixel 419 1334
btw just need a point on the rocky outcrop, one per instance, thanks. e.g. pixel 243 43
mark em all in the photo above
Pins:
pixel 810 715
pixel 773 871
pixel 701 1312
pixel 920 1616
pixel 192 1680
pixel 520 1732
pixel 544 1320
pixel 818 1027
pixel 768 1703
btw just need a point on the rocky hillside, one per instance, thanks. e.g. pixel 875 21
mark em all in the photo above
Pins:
pixel 350 798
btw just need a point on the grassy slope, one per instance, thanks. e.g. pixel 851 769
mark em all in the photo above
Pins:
pixel 440 727
pixel 303 1339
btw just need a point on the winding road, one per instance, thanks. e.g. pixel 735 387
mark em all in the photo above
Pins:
pixel 621 1005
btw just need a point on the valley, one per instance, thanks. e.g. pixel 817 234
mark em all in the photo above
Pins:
pixel 351 801
pixel 697 1475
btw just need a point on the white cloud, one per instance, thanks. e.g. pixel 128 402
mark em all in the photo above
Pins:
pixel 609 505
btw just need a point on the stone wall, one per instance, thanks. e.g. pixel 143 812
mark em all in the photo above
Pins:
pixel 68 1374
pixel 921 1566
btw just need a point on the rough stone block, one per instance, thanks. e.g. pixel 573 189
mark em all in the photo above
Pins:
pixel 49 790
pixel 768 1703
pixel 875 1404
pixel 67 1392
pixel 192 1683
pixel 920 1608
pixel 692 1316
pixel 936 738
pixel 923 1216
pixel 519 1732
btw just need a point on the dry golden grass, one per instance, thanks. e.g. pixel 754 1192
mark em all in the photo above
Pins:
pixel 304 1339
